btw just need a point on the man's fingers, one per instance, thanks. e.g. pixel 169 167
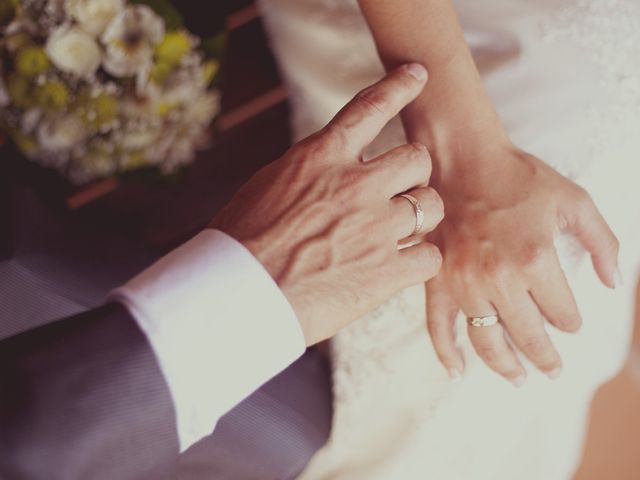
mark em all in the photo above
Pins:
pixel 401 169
pixel 418 263
pixel 588 225
pixel 551 292
pixel 362 119
pixel 404 217
pixel 441 315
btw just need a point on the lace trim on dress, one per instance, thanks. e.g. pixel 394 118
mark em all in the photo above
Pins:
pixel 609 32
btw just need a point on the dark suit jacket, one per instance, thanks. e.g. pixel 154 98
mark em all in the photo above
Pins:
pixel 83 398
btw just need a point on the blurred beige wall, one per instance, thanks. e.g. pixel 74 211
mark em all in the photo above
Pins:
pixel 613 445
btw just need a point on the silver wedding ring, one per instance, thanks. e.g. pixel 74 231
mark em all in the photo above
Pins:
pixel 486 321
pixel 417 207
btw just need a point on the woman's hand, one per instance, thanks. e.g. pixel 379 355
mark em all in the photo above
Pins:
pixel 503 207
pixel 502 215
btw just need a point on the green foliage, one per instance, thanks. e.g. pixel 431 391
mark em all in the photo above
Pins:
pixel 213 47
pixel 172 17
pixel 210 71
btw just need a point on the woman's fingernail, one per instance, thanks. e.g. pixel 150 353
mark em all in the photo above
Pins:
pixel 520 381
pixel 417 71
pixel 618 281
pixel 555 373
pixel 455 375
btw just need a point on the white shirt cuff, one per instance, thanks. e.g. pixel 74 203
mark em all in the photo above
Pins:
pixel 218 324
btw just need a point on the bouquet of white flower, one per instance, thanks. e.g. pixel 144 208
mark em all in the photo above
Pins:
pixel 100 87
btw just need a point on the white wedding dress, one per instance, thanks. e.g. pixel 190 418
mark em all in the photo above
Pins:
pixel 565 77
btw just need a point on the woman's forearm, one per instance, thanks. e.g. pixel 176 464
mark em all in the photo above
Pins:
pixel 454 115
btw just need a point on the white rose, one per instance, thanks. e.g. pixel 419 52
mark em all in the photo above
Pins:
pixel 93 16
pixel 60 134
pixel 74 51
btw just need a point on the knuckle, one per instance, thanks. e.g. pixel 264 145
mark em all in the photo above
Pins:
pixel 489 353
pixel 584 202
pixel 582 197
pixel 532 255
pixel 380 254
pixel 536 346
pixel 331 138
pixel 434 202
pixel 316 147
pixel 425 159
pixel 429 263
pixel 433 257
pixel 372 100
pixel 420 155
pixel 299 150
pixel 550 362
pixel 351 186
pixel 418 162
pixel 436 327
pixel 358 189
pixel 496 268
pixel 508 310
pixel 466 278
pixel 457 264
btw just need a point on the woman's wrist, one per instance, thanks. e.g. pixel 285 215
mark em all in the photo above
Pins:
pixel 461 150
pixel 455 118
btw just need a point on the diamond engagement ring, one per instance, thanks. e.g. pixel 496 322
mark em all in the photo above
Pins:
pixel 486 321
pixel 417 207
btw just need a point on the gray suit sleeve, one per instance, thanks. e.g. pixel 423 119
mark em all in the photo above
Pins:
pixel 84 398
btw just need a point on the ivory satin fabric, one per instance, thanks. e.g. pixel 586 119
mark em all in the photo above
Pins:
pixel 564 77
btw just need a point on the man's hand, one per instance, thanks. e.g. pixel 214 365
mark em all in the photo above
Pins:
pixel 326 225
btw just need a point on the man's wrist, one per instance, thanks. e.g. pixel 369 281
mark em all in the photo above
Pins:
pixel 205 307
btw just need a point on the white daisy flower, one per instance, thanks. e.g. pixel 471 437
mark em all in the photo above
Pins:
pixel 130 39
pixel 61 133
pixel 204 110
pixel 94 16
